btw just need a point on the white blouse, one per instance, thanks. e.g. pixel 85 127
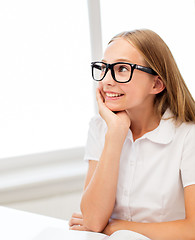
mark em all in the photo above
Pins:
pixel 153 172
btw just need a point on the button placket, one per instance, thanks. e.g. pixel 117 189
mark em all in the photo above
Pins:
pixel 133 163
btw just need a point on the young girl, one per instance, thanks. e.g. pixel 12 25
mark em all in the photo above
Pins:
pixel 141 149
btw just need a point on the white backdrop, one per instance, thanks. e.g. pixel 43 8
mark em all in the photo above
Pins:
pixel 45 76
pixel 46 92
pixel 173 20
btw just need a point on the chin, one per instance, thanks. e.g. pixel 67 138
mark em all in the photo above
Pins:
pixel 114 108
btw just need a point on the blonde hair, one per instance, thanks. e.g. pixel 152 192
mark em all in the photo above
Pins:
pixel 157 56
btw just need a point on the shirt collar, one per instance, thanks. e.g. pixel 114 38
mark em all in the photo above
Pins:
pixel 163 134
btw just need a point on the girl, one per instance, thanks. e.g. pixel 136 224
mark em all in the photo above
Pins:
pixel 141 149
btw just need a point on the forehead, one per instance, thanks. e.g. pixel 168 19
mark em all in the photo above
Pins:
pixel 121 49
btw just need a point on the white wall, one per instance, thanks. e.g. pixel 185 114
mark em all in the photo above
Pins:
pixel 57 206
pixel 49 183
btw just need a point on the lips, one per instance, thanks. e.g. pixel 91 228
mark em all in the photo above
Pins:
pixel 113 94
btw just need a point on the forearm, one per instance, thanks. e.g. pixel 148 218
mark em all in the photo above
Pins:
pixel 99 196
pixel 173 230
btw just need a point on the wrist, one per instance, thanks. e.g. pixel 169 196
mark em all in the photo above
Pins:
pixel 116 134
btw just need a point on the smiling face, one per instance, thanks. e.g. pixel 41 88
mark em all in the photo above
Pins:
pixel 139 92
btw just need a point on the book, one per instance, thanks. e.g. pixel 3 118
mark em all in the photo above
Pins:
pixel 53 233
pixel 126 235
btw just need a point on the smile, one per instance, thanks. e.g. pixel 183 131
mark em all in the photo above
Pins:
pixel 113 94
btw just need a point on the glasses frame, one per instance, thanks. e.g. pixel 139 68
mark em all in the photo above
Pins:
pixel 111 67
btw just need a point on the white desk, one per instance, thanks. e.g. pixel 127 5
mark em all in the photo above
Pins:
pixel 20 225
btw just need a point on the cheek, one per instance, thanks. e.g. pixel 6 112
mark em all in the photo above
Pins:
pixel 128 90
pixel 135 95
pixel 100 85
pixel 139 87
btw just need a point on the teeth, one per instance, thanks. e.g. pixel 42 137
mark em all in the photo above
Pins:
pixel 113 95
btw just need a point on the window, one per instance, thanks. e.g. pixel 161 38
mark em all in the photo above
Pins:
pixel 46 97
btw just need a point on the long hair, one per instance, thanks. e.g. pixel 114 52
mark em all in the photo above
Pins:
pixel 158 56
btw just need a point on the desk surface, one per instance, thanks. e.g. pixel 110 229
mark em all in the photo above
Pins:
pixel 22 225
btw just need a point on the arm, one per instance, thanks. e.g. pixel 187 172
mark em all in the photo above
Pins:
pixel 100 189
pixel 99 195
pixel 173 230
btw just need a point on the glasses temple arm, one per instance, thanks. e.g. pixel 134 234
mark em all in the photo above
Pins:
pixel 145 69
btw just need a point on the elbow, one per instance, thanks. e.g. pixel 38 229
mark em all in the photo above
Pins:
pixel 95 227
pixel 93 219
pixel 93 223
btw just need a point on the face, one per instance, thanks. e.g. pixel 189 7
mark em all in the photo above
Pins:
pixel 137 93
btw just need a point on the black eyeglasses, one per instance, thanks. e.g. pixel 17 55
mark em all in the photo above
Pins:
pixel 121 72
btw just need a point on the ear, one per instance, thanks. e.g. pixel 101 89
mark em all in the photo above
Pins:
pixel 158 85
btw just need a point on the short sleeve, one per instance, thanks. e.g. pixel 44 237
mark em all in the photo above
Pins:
pixel 188 158
pixel 95 139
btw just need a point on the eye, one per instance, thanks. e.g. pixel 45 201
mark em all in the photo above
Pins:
pixel 103 68
pixel 123 68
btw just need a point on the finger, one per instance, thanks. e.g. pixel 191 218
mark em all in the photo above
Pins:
pixel 75 221
pixel 99 96
pixel 78 228
pixel 77 215
pixel 100 100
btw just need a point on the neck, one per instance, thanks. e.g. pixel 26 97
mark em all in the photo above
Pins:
pixel 142 121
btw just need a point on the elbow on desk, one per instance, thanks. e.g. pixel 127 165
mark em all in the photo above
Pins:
pixel 92 220
pixel 93 224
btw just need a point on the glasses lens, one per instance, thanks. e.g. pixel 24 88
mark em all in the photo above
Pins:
pixel 98 69
pixel 122 72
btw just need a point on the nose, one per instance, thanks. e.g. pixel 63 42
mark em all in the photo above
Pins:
pixel 108 79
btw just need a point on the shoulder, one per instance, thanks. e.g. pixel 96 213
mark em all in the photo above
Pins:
pixel 98 123
pixel 187 136
pixel 97 128
pixel 179 129
pixel 187 132
pixel 95 139
pixel 186 129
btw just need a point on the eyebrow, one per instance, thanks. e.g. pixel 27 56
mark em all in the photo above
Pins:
pixel 120 60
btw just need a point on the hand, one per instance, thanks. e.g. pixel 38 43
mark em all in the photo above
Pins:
pixel 76 222
pixel 120 119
